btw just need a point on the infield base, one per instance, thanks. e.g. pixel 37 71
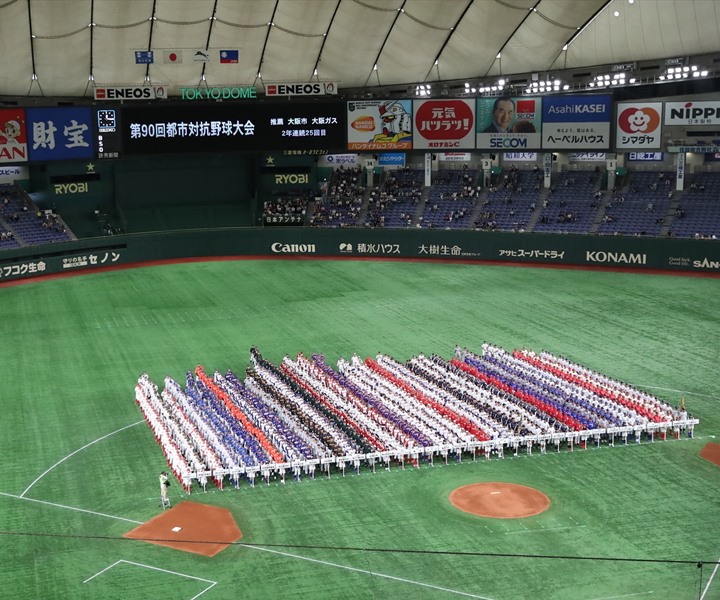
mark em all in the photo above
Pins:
pixel 190 527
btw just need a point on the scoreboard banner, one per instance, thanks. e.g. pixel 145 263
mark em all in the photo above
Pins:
pixel 508 123
pixel 60 133
pixel 444 124
pixel 296 126
pixel 638 125
pixel 13 135
pixel 379 125
pixel 576 122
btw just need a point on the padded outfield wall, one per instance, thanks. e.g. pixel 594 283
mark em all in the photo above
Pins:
pixel 635 253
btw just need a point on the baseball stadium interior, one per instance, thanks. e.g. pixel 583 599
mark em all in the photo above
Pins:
pixel 391 297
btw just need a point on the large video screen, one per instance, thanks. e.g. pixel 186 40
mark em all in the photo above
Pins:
pixel 305 126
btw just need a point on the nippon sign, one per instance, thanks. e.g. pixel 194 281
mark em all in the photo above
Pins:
pixel 321 88
pixel 692 113
pixel 129 92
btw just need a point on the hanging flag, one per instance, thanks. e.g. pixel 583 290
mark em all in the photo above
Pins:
pixel 144 57
pixel 229 56
pixel 201 56
pixel 172 56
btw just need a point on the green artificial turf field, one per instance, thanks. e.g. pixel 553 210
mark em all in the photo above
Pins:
pixel 80 465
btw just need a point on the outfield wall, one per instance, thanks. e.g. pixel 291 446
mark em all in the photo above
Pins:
pixel 681 255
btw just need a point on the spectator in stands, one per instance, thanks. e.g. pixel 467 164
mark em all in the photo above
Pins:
pixel 503 114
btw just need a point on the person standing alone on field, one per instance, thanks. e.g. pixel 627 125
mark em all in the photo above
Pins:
pixel 164 485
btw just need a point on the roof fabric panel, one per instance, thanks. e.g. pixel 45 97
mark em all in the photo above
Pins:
pixel 16 74
pixel 346 38
pixel 120 29
pixel 646 30
pixel 540 38
pixel 354 41
pixel 295 40
pixel 62 46
pixel 484 30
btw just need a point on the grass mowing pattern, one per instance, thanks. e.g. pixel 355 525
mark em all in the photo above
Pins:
pixel 72 349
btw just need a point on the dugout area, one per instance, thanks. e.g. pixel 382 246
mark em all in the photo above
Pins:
pixel 83 465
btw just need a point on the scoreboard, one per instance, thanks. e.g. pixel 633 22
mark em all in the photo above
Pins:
pixel 217 127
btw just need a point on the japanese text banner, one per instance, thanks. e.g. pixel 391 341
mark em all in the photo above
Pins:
pixel 379 125
pixel 444 124
pixel 638 125
pixel 576 122
pixel 60 133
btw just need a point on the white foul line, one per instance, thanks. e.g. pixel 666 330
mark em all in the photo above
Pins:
pixel 129 562
pixel 92 512
pixel 544 529
pixel 62 460
pixel 710 580
pixel 623 596
pixel 330 564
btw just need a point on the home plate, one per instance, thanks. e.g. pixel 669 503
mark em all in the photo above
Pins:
pixel 176 529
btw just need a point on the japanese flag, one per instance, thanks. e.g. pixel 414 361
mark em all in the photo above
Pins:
pixel 172 56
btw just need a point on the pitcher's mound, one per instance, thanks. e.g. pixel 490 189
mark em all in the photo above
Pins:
pixel 499 500
pixel 711 452
pixel 190 527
